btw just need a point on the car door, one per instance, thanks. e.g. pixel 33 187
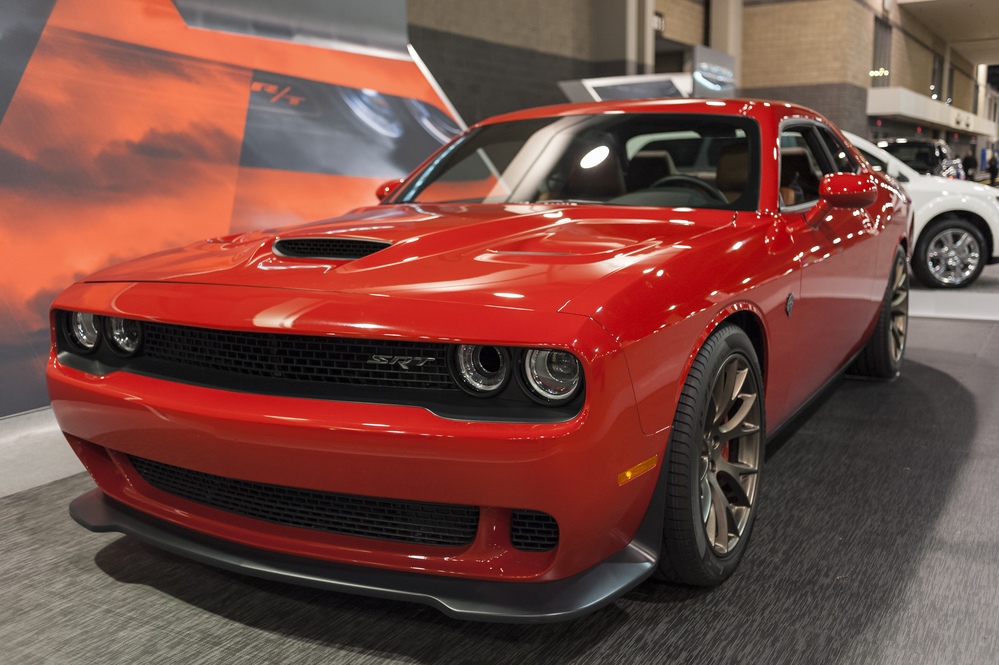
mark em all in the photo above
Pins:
pixel 838 256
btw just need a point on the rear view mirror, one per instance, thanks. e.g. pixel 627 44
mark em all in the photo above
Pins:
pixel 847 190
pixel 385 189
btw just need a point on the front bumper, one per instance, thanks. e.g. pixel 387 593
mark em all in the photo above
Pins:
pixel 467 599
pixel 568 470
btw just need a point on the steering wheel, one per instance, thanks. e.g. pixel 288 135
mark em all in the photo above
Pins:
pixel 691 182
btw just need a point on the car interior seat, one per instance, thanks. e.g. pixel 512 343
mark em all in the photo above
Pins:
pixel 733 170
pixel 799 177
pixel 649 164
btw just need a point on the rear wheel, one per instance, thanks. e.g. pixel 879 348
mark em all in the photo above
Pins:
pixel 950 254
pixel 714 456
pixel 882 357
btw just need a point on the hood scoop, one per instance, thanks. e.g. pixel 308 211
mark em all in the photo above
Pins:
pixel 334 249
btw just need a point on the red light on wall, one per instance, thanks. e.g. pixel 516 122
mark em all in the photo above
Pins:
pixel 879 123
pixel 955 135
pixel 919 130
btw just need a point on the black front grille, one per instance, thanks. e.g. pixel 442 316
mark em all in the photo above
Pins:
pixel 533 531
pixel 303 357
pixel 336 249
pixel 385 519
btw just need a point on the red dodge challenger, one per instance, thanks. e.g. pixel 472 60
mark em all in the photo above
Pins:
pixel 542 370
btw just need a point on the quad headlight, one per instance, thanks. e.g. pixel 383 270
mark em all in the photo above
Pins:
pixel 125 335
pixel 83 330
pixel 552 375
pixel 481 370
pixel 546 376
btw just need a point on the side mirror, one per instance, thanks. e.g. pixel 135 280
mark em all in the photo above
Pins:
pixel 901 177
pixel 847 190
pixel 385 189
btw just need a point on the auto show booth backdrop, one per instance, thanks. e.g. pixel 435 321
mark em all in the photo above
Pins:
pixel 132 126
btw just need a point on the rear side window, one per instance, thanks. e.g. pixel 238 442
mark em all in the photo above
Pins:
pixel 800 165
pixel 842 160
pixel 878 165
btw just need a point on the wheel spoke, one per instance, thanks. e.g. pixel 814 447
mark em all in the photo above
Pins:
pixel 900 297
pixel 722 391
pixel 720 509
pixel 705 499
pixel 735 471
pixel 736 420
pixel 735 432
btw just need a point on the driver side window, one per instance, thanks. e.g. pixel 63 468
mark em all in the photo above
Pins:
pixel 800 168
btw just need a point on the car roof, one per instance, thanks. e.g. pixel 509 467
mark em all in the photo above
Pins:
pixel 753 108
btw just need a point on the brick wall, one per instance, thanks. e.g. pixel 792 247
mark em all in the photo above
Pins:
pixel 806 43
pixel 557 27
pixel 911 64
pixel 683 20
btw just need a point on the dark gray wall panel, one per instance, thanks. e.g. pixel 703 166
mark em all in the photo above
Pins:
pixel 483 78
pixel 843 103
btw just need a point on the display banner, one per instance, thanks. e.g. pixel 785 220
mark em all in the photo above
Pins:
pixel 128 131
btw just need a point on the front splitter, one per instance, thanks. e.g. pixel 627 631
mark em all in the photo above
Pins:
pixel 461 598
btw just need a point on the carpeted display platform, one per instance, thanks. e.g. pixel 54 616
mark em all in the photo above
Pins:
pixel 877 543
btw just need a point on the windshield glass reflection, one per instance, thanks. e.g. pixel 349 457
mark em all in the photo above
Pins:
pixel 653 159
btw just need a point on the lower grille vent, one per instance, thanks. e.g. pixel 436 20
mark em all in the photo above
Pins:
pixel 334 249
pixel 533 531
pixel 441 524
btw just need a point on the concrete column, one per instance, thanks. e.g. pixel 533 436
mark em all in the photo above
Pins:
pixel 945 93
pixel 982 81
pixel 726 31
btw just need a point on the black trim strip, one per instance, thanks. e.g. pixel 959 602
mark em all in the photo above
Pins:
pixel 460 598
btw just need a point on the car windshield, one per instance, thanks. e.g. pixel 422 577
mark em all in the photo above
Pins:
pixel 649 159
pixel 919 156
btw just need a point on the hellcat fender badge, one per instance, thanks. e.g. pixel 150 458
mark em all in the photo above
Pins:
pixel 402 361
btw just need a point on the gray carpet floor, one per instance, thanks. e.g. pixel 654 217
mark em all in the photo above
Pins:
pixel 877 542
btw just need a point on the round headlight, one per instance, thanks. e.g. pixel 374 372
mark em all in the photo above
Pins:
pixel 481 370
pixel 552 375
pixel 84 330
pixel 125 335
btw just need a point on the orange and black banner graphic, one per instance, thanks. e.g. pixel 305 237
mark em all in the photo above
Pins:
pixel 126 131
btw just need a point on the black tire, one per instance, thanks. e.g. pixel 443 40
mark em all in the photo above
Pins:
pixel 921 262
pixel 689 555
pixel 882 357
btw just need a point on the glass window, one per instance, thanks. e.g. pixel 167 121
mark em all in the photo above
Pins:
pixel 843 162
pixel 800 170
pixel 879 165
pixel 647 159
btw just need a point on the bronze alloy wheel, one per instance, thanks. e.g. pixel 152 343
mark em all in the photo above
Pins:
pixel 730 455
pixel 881 357
pixel 953 256
pixel 714 460
pixel 899 310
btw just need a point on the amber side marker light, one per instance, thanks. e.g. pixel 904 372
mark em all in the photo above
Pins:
pixel 637 470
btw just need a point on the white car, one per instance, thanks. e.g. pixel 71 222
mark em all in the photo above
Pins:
pixel 956 223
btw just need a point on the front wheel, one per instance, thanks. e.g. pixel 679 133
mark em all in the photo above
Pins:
pixel 714 455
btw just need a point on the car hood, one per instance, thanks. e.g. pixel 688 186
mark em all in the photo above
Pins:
pixel 938 185
pixel 523 256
